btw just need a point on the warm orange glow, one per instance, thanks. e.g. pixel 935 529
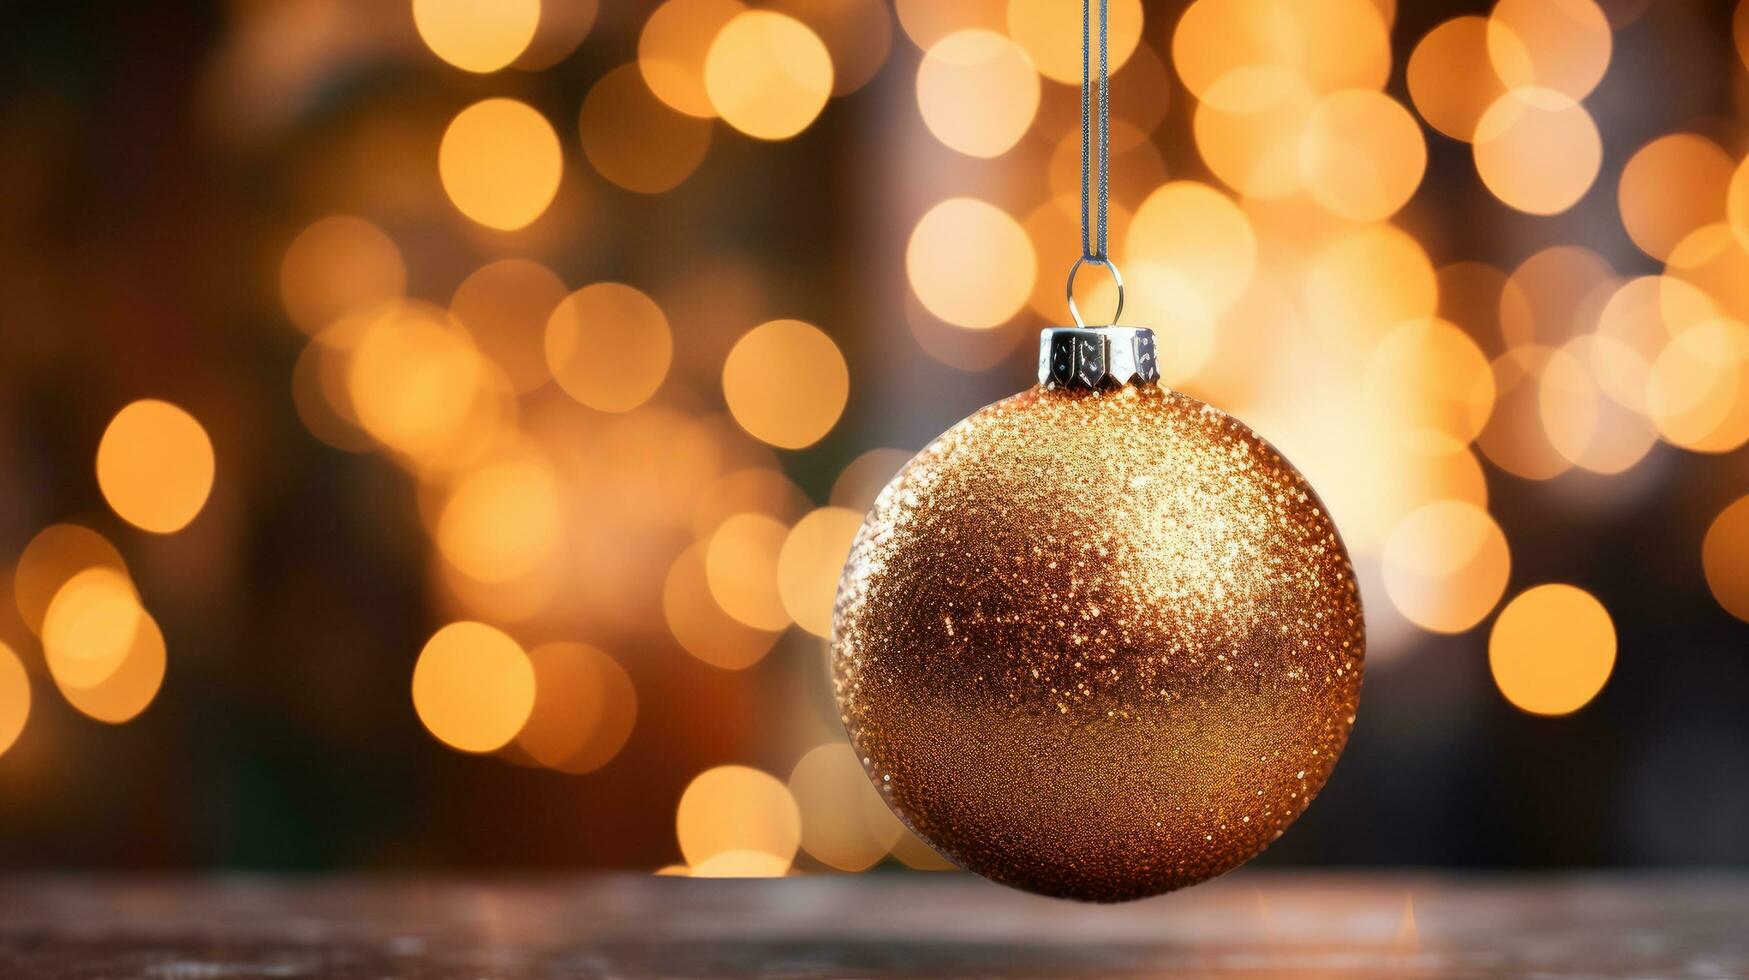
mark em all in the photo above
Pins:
pixel 1042 27
pixel 1563 45
pixel 1538 150
pixel 1725 557
pixel 1698 391
pixel 90 627
pixel 1584 423
pixel 473 687
pixel 608 345
pixel 14 698
pixel 1515 439
pixel 55 555
pixel 504 306
pixel 970 263
pixel 1451 79
pixel 928 21
pixel 1362 155
pixel 845 824
pixel 584 708
pixel 1331 45
pixel 786 383
pixel 562 27
pixel 866 476
pixel 1430 383
pixel 810 564
pixel 503 520
pixel 1197 236
pixel 636 141
pixel 1366 283
pixel 737 808
pixel 477 35
pixel 978 92
pixel 741 567
pixel 1249 129
pixel 1445 566
pixel 701 626
pixel 417 384
pixel 767 75
pixel 1552 649
pixel 672 48
pixel 124 694
pixel 339 265
pixel 1670 187
pixel 857 33
pixel 1547 298
pixel 500 163
pixel 155 466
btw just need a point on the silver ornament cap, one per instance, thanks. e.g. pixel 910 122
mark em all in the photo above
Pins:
pixel 1095 358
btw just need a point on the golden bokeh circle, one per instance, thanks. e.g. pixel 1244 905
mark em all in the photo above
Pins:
pixel 1537 150
pixel 1670 187
pixel 15 699
pixel 477 35
pixel 700 625
pixel 473 687
pixel 1563 45
pixel 1724 554
pixel 634 139
pixel 738 809
pixel 1041 28
pixel 786 383
pixel 978 92
pixel 767 75
pixel 1199 236
pixel 155 466
pixel 1446 565
pixel 845 824
pixel 585 708
pixel 1450 77
pixel 609 346
pixel 131 688
pixel 339 265
pixel 90 627
pixel 811 562
pixel 502 521
pixel 741 562
pixel 54 555
pixel 1552 649
pixel 672 48
pixel 970 263
pixel 504 306
pixel 500 163
pixel 1362 154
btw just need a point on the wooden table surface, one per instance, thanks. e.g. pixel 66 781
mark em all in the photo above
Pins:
pixel 879 925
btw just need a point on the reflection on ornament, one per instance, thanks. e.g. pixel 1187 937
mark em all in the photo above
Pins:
pixel 1098 642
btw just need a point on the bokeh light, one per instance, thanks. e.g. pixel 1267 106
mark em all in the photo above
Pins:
pixel 741 563
pixel 505 306
pixel 90 627
pixel 1537 150
pixel 121 696
pixel 928 21
pixel 500 163
pixel 561 28
pixel 845 824
pixel 502 521
pixel 338 265
pixel 1446 566
pixel 810 563
pixel 419 387
pixel 701 626
pixel 1451 79
pixel 767 75
pixel 473 687
pixel 732 809
pixel 1042 26
pixel 1431 385
pixel 14 698
pixel 1366 283
pixel 477 35
pixel 155 466
pixel 1362 155
pixel 970 263
pixel 672 49
pixel 1332 45
pixel 858 34
pixel 786 383
pixel 636 141
pixel 1197 236
pixel 1552 649
pixel 56 554
pixel 1725 558
pixel 978 92
pixel 1670 187
pixel 609 346
pixel 585 707
pixel 1562 45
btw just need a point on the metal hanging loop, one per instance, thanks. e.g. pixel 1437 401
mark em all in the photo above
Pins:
pixel 1116 277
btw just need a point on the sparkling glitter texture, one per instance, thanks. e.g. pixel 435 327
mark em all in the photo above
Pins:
pixel 1099 645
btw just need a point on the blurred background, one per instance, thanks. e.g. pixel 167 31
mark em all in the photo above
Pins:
pixel 430 431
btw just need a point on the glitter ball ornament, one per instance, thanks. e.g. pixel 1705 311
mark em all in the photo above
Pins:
pixel 1099 640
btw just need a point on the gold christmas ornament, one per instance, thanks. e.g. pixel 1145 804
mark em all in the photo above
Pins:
pixel 1099 640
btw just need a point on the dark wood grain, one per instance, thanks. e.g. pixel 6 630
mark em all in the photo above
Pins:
pixel 882 925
